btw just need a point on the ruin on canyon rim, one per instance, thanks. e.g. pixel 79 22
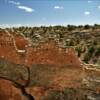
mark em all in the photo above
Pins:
pixel 51 67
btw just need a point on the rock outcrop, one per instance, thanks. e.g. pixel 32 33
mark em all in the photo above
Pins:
pixel 47 68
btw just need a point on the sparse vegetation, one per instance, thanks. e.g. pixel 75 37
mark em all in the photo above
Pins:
pixel 85 39
pixel 67 94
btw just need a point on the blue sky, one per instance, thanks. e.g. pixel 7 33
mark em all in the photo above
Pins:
pixel 49 12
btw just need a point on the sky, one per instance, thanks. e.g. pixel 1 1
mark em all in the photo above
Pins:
pixel 49 12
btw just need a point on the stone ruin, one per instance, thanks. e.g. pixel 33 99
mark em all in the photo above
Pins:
pixel 68 70
pixel 15 48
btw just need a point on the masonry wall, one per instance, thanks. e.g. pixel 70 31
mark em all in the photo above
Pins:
pixel 45 53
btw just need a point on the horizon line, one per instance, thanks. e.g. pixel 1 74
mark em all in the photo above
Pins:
pixel 40 25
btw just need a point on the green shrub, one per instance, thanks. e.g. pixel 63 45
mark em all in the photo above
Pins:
pixel 86 58
pixel 79 51
pixel 91 50
pixel 97 53
pixel 86 27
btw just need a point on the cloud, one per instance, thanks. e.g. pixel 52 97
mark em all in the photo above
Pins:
pixel 90 1
pixel 13 2
pixel 10 25
pixel 22 7
pixel 98 7
pixel 27 9
pixel 87 13
pixel 58 7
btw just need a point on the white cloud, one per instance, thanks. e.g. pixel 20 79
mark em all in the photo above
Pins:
pixel 90 1
pixel 27 9
pixel 13 2
pixel 22 7
pixel 87 13
pixel 10 25
pixel 98 7
pixel 58 7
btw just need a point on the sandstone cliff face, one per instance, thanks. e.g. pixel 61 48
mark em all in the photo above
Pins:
pixel 52 69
